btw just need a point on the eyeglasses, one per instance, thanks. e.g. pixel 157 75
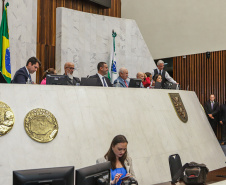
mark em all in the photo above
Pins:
pixel 71 68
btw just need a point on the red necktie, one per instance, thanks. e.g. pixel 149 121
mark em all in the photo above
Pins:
pixel 126 83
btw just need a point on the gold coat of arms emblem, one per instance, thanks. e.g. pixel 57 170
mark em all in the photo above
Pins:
pixel 41 125
pixel 179 106
pixel 6 119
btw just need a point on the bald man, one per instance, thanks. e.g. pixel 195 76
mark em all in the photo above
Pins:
pixel 140 75
pixel 69 68
pixel 122 79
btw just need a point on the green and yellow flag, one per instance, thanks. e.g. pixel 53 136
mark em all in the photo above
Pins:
pixel 5 66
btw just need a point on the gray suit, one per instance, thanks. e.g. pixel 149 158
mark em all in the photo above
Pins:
pixel 121 81
pixel 128 164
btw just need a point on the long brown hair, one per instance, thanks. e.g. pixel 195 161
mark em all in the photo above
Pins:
pixel 110 155
pixel 156 76
pixel 48 71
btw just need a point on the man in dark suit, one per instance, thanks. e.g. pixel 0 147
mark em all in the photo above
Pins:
pixel 103 81
pixel 23 75
pixel 69 68
pixel 223 122
pixel 212 109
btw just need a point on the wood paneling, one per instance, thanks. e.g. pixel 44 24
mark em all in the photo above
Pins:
pixel 203 75
pixel 213 176
pixel 46 28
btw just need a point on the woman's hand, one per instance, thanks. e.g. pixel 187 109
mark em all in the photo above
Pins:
pixel 128 174
pixel 117 177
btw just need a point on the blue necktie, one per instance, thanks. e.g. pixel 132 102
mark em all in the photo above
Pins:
pixel 29 76
pixel 105 85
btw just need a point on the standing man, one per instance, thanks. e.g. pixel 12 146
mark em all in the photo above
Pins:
pixel 69 68
pixel 103 81
pixel 165 75
pixel 23 75
pixel 223 122
pixel 122 79
pixel 212 109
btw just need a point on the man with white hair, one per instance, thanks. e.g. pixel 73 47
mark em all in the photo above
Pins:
pixel 122 79
pixel 165 75
pixel 69 68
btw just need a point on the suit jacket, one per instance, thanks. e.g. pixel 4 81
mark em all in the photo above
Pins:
pixel 214 111
pixel 99 83
pixel 223 113
pixel 20 76
pixel 75 80
pixel 128 164
pixel 121 81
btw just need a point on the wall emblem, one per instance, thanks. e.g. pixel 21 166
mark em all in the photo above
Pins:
pixel 179 106
pixel 41 125
pixel 6 119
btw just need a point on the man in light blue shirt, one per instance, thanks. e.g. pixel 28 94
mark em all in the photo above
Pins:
pixel 122 79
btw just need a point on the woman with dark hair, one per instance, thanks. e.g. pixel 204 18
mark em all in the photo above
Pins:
pixel 121 163
pixel 158 78
pixel 148 81
pixel 50 71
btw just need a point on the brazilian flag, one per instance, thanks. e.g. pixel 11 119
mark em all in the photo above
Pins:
pixel 5 66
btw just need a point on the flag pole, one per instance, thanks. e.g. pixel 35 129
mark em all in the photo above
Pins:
pixel 3 5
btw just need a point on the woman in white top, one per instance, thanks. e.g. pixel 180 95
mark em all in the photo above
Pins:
pixel 121 163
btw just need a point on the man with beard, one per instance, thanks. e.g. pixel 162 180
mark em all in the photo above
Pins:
pixel 69 68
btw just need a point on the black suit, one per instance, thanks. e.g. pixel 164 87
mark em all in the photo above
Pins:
pixel 70 82
pixel 99 82
pixel 20 76
pixel 214 112
pixel 223 119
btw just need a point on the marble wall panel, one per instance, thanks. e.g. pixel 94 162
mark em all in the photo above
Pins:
pixel 22 22
pixel 89 117
pixel 86 40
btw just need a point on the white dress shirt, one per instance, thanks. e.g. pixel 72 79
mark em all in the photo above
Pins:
pixel 167 76
pixel 27 70
pixel 101 79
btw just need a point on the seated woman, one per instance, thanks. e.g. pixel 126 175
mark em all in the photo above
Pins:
pixel 158 81
pixel 121 163
pixel 51 71
pixel 148 81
